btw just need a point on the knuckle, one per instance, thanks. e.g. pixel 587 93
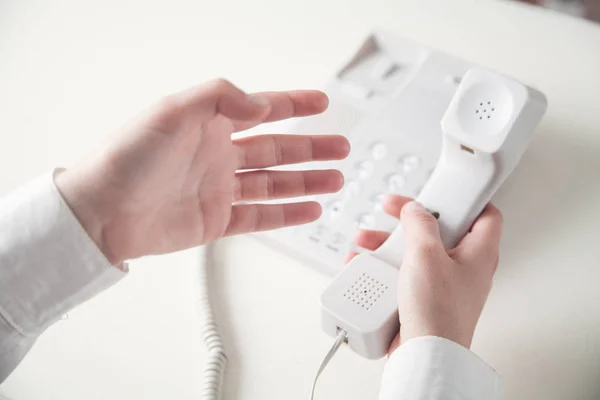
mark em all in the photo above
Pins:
pixel 428 249
pixel 277 150
pixel 420 218
pixel 169 103
pixel 220 84
pixel 303 184
pixel 426 221
pixel 164 113
pixel 270 186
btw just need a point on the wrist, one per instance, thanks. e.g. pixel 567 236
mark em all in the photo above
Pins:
pixel 445 328
pixel 82 194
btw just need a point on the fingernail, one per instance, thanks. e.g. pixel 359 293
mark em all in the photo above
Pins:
pixel 413 206
pixel 258 100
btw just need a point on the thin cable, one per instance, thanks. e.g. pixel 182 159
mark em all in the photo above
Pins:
pixel 341 337
pixel 217 359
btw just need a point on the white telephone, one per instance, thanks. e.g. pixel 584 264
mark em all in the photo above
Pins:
pixel 389 100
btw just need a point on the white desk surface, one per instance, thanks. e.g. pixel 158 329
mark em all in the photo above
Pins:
pixel 71 72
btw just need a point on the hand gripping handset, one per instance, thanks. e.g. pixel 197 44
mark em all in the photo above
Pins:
pixel 486 130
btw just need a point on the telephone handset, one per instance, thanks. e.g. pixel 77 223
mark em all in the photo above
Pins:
pixel 486 129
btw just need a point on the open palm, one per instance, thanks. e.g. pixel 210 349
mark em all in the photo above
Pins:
pixel 172 180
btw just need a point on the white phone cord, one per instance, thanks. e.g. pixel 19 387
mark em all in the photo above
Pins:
pixel 217 359
pixel 341 338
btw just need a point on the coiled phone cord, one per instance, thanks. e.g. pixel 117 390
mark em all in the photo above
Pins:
pixel 217 359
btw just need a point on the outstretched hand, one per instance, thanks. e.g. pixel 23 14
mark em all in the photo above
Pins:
pixel 175 179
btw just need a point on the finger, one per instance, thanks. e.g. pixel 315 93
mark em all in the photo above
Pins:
pixel 261 217
pixel 370 240
pixel 265 185
pixel 350 256
pixel 283 105
pixel 393 204
pixel 421 231
pixel 484 238
pixel 222 97
pixel 263 151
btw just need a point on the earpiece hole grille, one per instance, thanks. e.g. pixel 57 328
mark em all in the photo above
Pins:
pixel 488 110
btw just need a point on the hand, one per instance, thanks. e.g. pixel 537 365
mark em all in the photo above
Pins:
pixel 440 292
pixel 171 180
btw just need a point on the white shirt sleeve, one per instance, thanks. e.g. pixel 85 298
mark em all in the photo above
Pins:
pixel 433 368
pixel 48 265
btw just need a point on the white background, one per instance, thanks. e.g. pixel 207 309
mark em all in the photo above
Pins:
pixel 71 72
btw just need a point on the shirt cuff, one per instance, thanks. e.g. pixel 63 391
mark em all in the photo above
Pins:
pixel 48 263
pixel 431 368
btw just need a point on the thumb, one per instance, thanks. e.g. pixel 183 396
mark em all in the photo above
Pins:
pixel 222 97
pixel 421 229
